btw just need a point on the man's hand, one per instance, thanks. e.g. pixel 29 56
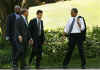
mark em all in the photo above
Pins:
pixel 31 42
pixel 64 35
pixel 7 38
pixel 78 21
pixel 44 43
pixel 20 39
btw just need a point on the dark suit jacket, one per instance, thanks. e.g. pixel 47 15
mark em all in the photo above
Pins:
pixel 22 29
pixel 11 25
pixel 34 30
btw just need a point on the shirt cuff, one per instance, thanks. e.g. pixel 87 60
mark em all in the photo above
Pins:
pixel 31 39
pixel 65 30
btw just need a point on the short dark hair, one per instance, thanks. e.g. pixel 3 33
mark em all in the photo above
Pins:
pixel 17 6
pixel 24 10
pixel 75 10
pixel 39 11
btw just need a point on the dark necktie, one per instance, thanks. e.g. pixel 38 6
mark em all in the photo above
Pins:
pixel 26 22
pixel 71 27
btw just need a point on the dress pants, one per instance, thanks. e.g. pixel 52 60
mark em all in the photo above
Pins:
pixel 18 53
pixel 36 52
pixel 14 53
pixel 75 39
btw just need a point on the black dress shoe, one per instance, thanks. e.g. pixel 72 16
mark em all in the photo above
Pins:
pixel 84 67
pixel 15 67
pixel 65 67
pixel 37 67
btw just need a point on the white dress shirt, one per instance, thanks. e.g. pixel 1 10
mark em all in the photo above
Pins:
pixel 17 16
pixel 76 28
pixel 40 23
pixel 25 19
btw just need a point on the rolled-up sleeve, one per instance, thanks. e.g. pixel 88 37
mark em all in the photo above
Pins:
pixel 66 29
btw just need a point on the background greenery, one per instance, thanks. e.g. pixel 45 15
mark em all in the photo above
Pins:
pixel 55 17
pixel 55 50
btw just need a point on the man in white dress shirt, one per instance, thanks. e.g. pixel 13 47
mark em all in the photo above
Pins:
pixel 73 30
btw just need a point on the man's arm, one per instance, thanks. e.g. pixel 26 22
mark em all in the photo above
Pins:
pixel 31 28
pixel 8 26
pixel 30 32
pixel 81 24
pixel 43 33
pixel 66 29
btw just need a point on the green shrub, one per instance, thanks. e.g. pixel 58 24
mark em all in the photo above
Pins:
pixel 56 47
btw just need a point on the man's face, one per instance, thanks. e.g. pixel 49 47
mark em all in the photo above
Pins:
pixel 39 15
pixel 17 10
pixel 26 13
pixel 73 14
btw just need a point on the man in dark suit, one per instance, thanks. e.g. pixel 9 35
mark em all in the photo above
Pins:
pixel 22 37
pixel 37 33
pixel 11 22
pixel 10 35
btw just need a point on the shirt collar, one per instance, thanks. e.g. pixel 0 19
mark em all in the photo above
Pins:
pixel 74 17
pixel 16 14
pixel 37 19
pixel 23 16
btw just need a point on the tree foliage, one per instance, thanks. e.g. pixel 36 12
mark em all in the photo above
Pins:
pixel 6 8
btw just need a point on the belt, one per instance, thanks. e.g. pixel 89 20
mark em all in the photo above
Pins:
pixel 75 34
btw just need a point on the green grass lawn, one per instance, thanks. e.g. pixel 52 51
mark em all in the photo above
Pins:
pixel 57 14
pixel 50 62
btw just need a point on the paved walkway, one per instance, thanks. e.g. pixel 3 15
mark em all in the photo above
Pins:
pixel 54 69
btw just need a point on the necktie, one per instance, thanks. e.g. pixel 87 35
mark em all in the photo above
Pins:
pixel 71 27
pixel 26 22
pixel 39 27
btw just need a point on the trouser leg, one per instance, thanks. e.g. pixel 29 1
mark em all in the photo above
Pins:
pixel 38 46
pixel 32 56
pixel 70 50
pixel 38 60
pixel 14 55
pixel 23 56
pixel 81 51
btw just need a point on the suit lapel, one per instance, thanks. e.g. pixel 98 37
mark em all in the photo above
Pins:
pixel 24 22
pixel 14 17
pixel 40 23
pixel 36 23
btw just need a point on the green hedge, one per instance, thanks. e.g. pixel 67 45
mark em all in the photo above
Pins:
pixel 56 47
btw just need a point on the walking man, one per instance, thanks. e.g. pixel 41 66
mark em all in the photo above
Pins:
pixel 73 29
pixel 11 33
pixel 22 37
pixel 37 32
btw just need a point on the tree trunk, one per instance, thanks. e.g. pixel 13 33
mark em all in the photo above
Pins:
pixel 6 8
